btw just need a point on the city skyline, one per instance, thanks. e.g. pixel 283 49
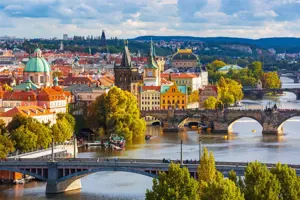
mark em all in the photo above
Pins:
pixel 128 18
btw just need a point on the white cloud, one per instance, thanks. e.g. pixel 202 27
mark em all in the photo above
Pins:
pixel 130 18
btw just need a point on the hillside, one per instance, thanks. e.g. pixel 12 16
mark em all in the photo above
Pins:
pixel 281 44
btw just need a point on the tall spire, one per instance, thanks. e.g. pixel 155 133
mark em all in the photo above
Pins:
pixel 103 39
pixel 126 58
pixel 151 61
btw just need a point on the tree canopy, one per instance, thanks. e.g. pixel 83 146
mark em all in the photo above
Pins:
pixel 118 113
pixel 271 80
pixel 229 91
pixel 210 103
pixel 176 185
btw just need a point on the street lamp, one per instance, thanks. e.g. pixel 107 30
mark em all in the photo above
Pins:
pixel 181 161
pixel 74 141
pixel 200 149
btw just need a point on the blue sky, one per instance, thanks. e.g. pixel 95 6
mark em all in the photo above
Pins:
pixel 131 18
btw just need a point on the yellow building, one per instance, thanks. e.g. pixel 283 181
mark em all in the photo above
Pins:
pixel 184 58
pixel 173 97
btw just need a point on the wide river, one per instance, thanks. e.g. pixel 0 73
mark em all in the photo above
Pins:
pixel 245 144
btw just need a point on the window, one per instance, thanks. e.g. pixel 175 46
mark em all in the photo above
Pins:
pixel 182 101
pixel 163 101
pixel 31 78
pixel 42 79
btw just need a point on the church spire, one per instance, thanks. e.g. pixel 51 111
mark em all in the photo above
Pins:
pixel 126 58
pixel 151 61
pixel 103 39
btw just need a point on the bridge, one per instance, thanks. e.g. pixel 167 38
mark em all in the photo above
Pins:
pixel 295 75
pixel 222 121
pixel 64 175
pixel 259 93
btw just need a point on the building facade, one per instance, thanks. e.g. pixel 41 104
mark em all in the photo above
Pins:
pixel 152 71
pixel 173 97
pixel 126 74
pixel 184 59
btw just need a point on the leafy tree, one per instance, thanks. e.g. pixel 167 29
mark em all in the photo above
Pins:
pixel 6 146
pixel 57 74
pixel 224 189
pixel 232 176
pixel 71 120
pixel 271 80
pixel 229 91
pixel 62 130
pixel 117 112
pixel 255 69
pixel 210 103
pixel 24 139
pixel 207 169
pixel 194 97
pixel 289 182
pixel 176 185
pixel 7 87
pixel 260 183
pixel 16 122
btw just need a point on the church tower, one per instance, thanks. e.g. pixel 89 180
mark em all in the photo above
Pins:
pixel 103 40
pixel 151 70
pixel 126 75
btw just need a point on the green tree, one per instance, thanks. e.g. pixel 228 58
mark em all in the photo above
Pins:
pixel 232 176
pixel 229 91
pixel 7 87
pixel 224 189
pixel 271 80
pixel 118 113
pixel 24 139
pixel 289 182
pixel 6 146
pixel 194 97
pixel 57 74
pixel 62 130
pixel 176 185
pixel 255 69
pixel 260 183
pixel 210 103
pixel 207 169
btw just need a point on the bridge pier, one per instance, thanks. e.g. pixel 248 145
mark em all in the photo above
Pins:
pixel 270 129
pixel 54 187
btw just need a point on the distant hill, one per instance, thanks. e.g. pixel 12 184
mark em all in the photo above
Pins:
pixel 281 44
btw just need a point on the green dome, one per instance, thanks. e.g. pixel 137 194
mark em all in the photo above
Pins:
pixel 37 63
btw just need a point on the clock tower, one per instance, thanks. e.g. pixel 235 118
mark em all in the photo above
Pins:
pixel 151 70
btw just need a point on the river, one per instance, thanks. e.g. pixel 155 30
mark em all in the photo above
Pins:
pixel 245 144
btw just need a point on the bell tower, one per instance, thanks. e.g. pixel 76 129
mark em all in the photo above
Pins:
pixel 152 70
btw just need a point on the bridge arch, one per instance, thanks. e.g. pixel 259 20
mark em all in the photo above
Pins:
pixel 234 120
pixel 151 120
pixel 13 169
pixel 78 175
pixel 195 120
pixel 280 127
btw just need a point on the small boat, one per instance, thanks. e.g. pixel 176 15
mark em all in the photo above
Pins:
pixel 254 131
pixel 225 137
pixel 148 137
pixel 19 181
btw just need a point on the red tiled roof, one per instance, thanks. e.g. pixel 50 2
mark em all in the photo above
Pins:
pixel 78 80
pixel 179 75
pixel 26 111
pixel 156 88
pixel 20 96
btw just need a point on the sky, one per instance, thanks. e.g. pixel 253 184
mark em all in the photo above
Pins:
pixel 132 18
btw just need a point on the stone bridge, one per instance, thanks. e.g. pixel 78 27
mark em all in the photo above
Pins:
pixel 222 121
pixel 64 175
pixel 259 93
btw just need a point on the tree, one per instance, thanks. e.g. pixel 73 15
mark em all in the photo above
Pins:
pixel 7 87
pixel 62 130
pixel 289 182
pixel 206 169
pixel 224 189
pixel 229 91
pixel 271 80
pixel 6 146
pixel 194 97
pixel 57 74
pixel 176 185
pixel 210 103
pixel 24 139
pixel 117 113
pixel 255 69
pixel 260 183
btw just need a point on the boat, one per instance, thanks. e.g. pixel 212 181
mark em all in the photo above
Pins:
pixel 254 131
pixel 20 181
pixel 148 137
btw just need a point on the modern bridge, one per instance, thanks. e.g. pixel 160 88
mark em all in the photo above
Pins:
pixel 64 175
pixel 221 121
